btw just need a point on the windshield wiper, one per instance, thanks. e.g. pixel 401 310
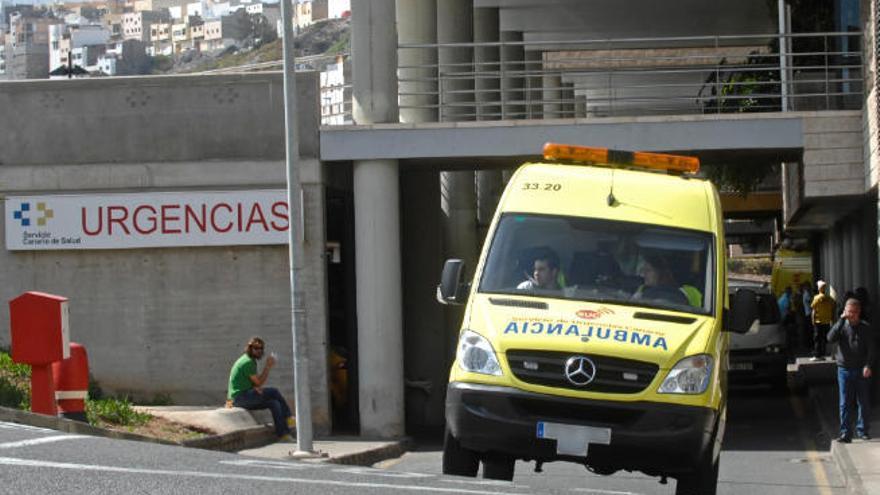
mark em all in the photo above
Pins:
pixel 518 303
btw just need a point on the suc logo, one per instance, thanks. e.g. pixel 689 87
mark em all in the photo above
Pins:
pixel 23 214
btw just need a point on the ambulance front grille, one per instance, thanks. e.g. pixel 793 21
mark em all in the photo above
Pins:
pixel 613 375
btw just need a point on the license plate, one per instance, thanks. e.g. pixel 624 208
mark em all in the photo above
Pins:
pixel 742 366
pixel 573 440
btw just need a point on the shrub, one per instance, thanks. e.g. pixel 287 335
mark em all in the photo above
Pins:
pixel 15 390
pixel 114 411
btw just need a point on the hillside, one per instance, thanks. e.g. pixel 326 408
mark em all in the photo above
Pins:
pixel 323 38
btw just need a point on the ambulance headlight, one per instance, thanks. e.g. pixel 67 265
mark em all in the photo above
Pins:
pixel 475 354
pixel 691 375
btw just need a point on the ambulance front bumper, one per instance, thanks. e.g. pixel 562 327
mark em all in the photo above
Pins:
pixel 645 436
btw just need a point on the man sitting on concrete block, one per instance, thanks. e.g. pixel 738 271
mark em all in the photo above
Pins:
pixel 246 387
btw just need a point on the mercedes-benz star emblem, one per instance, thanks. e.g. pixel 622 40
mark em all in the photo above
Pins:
pixel 580 370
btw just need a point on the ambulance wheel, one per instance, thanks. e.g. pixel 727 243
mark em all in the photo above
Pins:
pixel 458 460
pixel 703 481
pixel 498 468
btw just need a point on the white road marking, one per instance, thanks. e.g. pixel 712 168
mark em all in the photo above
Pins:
pixel 38 441
pixel 17 426
pixel 601 492
pixel 11 461
pixel 379 472
pixel 507 484
pixel 270 464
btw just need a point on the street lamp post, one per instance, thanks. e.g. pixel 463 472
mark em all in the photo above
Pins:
pixel 297 320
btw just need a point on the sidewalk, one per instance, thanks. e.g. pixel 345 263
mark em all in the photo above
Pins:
pixel 255 437
pixel 859 461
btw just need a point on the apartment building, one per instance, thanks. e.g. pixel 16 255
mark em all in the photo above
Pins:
pixel 139 25
pixel 27 47
pixel 85 42
pixel 330 9
pixel 2 54
pixel 302 15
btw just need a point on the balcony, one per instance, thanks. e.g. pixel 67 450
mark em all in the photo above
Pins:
pixel 594 78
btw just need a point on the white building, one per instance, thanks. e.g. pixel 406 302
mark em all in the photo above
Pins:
pixel 195 8
pixel 107 64
pixel 333 94
pixel 65 39
pixel 2 54
pixel 137 25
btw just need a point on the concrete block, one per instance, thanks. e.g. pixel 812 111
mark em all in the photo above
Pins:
pixel 813 157
pixel 834 188
pixel 839 171
pixel 833 140
pixel 90 177
pixel 849 122
pixel 145 119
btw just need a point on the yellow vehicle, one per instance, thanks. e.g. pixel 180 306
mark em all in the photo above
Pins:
pixel 595 324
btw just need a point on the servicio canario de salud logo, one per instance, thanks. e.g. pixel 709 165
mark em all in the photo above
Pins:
pixel 24 214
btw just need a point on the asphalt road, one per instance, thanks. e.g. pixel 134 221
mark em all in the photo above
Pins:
pixel 34 460
pixel 773 446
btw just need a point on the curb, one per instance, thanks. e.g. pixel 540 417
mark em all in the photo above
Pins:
pixel 233 441
pixel 839 453
pixel 237 440
pixel 70 426
pixel 372 456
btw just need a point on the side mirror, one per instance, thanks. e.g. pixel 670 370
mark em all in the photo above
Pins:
pixel 743 312
pixel 451 289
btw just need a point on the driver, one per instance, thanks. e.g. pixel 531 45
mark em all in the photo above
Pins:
pixel 545 275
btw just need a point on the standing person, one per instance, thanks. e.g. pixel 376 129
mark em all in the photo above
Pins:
pixel 246 387
pixel 855 357
pixel 786 312
pixel 823 311
pixel 807 328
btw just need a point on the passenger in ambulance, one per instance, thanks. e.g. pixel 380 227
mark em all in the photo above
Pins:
pixel 660 284
pixel 545 273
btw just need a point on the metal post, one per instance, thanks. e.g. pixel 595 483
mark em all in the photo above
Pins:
pixel 783 55
pixel 297 319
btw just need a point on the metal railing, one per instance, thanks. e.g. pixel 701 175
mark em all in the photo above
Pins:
pixel 630 77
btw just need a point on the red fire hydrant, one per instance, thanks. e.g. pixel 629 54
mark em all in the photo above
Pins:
pixel 39 326
pixel 71 377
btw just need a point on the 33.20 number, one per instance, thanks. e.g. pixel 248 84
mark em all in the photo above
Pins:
pixel 539 186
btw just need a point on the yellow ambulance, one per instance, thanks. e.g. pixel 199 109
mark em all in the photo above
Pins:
pixel 596 323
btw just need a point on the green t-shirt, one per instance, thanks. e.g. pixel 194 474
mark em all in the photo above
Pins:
pixel 240 376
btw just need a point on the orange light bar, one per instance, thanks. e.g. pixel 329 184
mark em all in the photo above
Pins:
pixel 656 161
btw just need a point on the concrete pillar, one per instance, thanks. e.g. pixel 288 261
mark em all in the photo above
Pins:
pixel 455 24
pixel 487 60
pixel 580 106
pixel 314 288
pixel 417 24
pixel 489 189
pixel 512 64
pixel 568 99
pixel 377 227
pixel 552 96
pixel 458 200
pixel 855 254
pixel 534 84
pixel 374 62
pixel 837 255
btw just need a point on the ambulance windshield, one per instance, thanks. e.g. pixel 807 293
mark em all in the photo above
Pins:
pixel 599 260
